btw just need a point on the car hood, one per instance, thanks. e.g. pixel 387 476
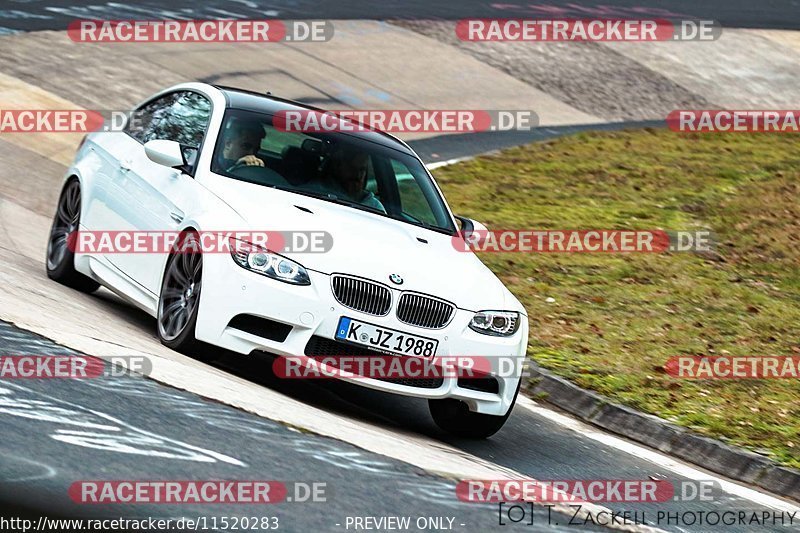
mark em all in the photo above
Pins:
pixel 369 245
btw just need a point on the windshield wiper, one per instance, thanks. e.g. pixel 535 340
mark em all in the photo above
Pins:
pixel 426 225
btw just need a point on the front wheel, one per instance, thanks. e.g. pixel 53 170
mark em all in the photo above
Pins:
pixel 60 260
pixel 180 296
pixel 454 417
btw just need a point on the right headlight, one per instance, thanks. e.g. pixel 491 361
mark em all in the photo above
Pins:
pixel 270 264
pixel 497 323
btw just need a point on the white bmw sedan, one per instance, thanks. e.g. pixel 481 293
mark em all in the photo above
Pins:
pixel 197 158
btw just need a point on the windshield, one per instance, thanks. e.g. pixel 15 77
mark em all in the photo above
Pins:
pixel 335 167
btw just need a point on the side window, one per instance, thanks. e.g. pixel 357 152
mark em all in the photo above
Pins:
pixel 141 120
pixel 181 116
pixel 412 198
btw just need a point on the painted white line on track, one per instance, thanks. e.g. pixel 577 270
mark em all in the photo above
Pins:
pixel 661 460
pixel 439 164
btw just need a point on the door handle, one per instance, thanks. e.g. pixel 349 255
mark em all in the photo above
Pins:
pixel 177 217
pixel 125 165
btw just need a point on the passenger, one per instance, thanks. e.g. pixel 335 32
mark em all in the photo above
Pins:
pixel 347 173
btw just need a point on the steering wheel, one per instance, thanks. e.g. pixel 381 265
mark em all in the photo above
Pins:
pixel 239 166
pixel 258 174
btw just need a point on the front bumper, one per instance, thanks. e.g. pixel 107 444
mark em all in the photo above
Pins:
pixel 313 311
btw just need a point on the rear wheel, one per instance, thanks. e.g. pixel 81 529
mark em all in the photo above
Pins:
pixel 454 417
pixel 60 261
pixel 180 297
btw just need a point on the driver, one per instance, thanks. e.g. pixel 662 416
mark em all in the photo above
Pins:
pixel 348 175
pixel 240 142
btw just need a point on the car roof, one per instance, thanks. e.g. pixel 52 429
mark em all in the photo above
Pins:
pixel 270 104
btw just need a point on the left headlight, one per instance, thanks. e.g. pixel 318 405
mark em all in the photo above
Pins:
pixel 497 323
pixel 270 264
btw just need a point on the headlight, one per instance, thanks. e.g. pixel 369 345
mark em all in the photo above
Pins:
pixel 270 264
pixel 497 323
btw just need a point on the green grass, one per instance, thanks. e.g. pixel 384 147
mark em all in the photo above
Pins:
pixel 617 318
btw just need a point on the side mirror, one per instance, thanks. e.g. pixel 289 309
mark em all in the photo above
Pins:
pixel 472 231
pixel 167 153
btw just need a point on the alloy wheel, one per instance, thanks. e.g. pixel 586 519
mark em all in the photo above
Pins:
pixel 181 290
pixel 66 221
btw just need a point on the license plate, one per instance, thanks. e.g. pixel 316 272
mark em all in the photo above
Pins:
pixel 384 339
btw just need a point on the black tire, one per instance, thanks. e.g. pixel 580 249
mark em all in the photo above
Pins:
pixel 454 417
pixel 179 300
pixel 60 260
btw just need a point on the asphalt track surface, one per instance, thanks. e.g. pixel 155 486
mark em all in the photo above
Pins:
pixel 56 14
pixel 127 427
pixel 56 432
pixel 443 148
